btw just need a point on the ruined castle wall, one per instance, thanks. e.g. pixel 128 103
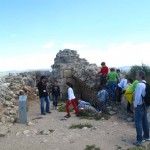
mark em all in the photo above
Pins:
pixel 68 66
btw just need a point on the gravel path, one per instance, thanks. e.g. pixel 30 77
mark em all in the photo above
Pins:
pixel 52 133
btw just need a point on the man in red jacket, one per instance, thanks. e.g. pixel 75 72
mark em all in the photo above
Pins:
pixel 103 72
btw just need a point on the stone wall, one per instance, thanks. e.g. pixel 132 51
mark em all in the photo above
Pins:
pixel 68 66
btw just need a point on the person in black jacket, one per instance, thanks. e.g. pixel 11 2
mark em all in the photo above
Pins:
pixel 55 94
pixel 43 94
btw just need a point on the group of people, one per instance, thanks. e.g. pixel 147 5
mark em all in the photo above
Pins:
pixel 116 85
pixel 112 86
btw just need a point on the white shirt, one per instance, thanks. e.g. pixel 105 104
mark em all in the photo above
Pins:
pixel 123 84
pixel 139 92
pixel 70 94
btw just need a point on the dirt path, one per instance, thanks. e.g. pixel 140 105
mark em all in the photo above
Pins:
pixel 109 134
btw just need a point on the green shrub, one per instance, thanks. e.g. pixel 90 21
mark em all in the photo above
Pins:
pixel 134 69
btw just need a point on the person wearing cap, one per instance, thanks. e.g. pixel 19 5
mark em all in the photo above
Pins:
pixel 43 94
pixel 103 72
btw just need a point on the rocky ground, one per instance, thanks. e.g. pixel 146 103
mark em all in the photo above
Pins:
pixel 51 132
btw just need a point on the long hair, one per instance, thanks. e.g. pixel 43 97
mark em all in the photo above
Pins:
pixel 69 84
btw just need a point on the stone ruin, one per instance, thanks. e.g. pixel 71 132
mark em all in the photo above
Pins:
pixel 69 67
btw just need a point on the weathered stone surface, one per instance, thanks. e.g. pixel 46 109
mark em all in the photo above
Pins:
pixel 67 73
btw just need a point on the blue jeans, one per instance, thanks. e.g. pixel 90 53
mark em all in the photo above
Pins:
pixel 55 100
pixel 47 100
pixel 141 122
pixel 111 89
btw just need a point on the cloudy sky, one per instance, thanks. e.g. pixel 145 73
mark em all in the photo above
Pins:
pixel 33 31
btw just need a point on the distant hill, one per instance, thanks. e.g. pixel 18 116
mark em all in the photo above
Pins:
pixel 20 71
pixel 125 68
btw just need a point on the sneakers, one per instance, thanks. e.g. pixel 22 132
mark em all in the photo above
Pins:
pixel 67 116
pixel 43 113
pixel 49 112
pixel 147 139
pixel 138 143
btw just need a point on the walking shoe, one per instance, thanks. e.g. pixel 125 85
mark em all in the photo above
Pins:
pixel 67 116
pixel 43 113
pixel 130 112
pixel 147 139
pixel 138 143
pixel 49 112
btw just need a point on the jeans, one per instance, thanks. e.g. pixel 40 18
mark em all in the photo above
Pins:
pixel 55 100
pixel 141 122
pixel 111 89
pixel 103 80
pixel 47 100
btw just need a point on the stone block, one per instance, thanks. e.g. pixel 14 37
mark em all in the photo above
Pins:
pixel 67 73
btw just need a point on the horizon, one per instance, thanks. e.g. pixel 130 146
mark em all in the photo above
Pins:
pixel 32 33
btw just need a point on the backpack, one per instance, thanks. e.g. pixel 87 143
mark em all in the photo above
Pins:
pixel 146 98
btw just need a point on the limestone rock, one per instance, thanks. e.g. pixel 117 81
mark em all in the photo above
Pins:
pixel 26 132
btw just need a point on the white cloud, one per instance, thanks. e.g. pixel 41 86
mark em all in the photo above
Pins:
pixel 73 46
pixel 49 45
pixel 125 54
pixel 115 55
pixel 13 35
pixel 32 61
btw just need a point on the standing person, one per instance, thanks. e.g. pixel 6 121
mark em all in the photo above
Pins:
pixel 119 75
pixel 71 100
pixel 112 83
pixel 129 84
pixel 55 94
pixel 121 88
pixel 141 121
pixel 43 94
pixel 103 72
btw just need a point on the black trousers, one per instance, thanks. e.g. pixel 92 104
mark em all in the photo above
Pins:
pixel 119 89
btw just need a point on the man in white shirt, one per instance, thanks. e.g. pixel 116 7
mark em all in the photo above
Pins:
pixel 141 121
pixel 121 88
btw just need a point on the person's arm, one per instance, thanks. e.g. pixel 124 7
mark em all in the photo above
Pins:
pixel 138 94
pixel 100 72
pixel 58 91
pixel 52 90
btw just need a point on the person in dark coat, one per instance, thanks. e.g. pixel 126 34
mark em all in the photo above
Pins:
pixel 43 94
pixel 55 94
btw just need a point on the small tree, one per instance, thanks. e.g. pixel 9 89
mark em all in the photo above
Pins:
pixel 134 69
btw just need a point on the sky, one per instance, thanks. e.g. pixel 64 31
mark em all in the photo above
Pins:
pixel 33 31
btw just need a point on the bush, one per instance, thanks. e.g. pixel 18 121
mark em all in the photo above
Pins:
pixel 134 69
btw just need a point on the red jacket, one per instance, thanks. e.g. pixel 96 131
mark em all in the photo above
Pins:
pixel 104 70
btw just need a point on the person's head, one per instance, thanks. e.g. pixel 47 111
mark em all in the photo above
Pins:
pixel 79 100
pixel 43 78
pixel 140 75
pixel 118 71
pixel 130 80
pixel 68 84
pixel 100 88
pixel 56 83
pixel 112 69
pixel 103 64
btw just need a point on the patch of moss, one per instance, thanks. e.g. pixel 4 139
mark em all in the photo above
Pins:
pixel 91 147
pixel 80 126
